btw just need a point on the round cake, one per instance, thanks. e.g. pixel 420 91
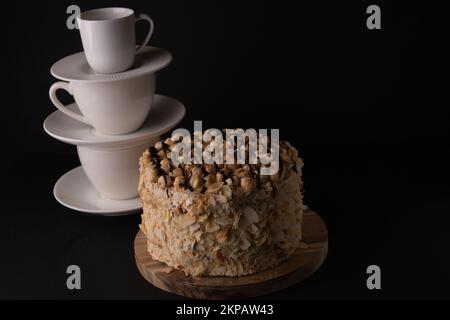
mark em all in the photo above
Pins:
pixel 220 219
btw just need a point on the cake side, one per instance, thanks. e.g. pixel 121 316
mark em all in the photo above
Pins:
pixel 237 223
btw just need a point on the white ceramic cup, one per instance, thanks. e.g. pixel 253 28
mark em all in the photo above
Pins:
pixel 111 107
pixel 108 37
pixel 114 171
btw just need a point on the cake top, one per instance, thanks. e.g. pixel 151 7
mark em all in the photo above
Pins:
pixel 238 180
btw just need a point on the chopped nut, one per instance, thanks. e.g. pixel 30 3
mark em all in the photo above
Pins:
pixel 165 165
pixel 145 155
pixel 209 168
pixel 188 167
pixel 212 185
pixel 158 145
pixel 169 142
pixel 161 154
pixel 179 183
pixel 196 183
pixel 178 172
pixel 248 185
pixel 241 173
pixel 215 188
pixel 196 171
pixel 153 175
pixel 210 179
pixel 226 171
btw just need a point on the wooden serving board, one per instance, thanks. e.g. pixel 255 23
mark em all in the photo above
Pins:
pixel 304 262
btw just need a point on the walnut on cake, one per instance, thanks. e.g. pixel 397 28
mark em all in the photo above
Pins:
pixel 220 219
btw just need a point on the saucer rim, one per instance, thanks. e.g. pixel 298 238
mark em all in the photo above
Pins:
pixel 109 213
pixel 113 140
pixel 128 74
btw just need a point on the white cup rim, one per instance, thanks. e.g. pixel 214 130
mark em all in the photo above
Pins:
pixel 106 14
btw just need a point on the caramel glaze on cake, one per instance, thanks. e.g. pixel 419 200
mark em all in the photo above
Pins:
pixel 220 220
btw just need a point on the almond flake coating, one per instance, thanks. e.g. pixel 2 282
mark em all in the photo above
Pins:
pixel 220 220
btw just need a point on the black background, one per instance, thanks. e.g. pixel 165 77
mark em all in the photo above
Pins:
pixel 364 108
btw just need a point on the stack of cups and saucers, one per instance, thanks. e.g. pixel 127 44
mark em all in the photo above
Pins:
pixel 116 114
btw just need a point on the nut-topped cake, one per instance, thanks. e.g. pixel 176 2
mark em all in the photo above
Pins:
pixel 220 219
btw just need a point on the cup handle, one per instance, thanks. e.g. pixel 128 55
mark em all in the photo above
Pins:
pixel 65 86
pixel 140 17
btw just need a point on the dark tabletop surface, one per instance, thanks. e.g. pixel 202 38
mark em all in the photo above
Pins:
pixel 363 107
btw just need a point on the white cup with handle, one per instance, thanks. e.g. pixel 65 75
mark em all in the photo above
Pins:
pixel 108 37
pixel 114 171
pixel 111 107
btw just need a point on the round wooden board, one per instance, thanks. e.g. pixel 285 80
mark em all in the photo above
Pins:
pixel 304 262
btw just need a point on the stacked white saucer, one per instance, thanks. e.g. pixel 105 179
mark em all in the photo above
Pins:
pixel 116 115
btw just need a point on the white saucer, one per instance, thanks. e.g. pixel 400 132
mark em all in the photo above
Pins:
pixel 76 68
pixel 165 114
pixel 75 191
